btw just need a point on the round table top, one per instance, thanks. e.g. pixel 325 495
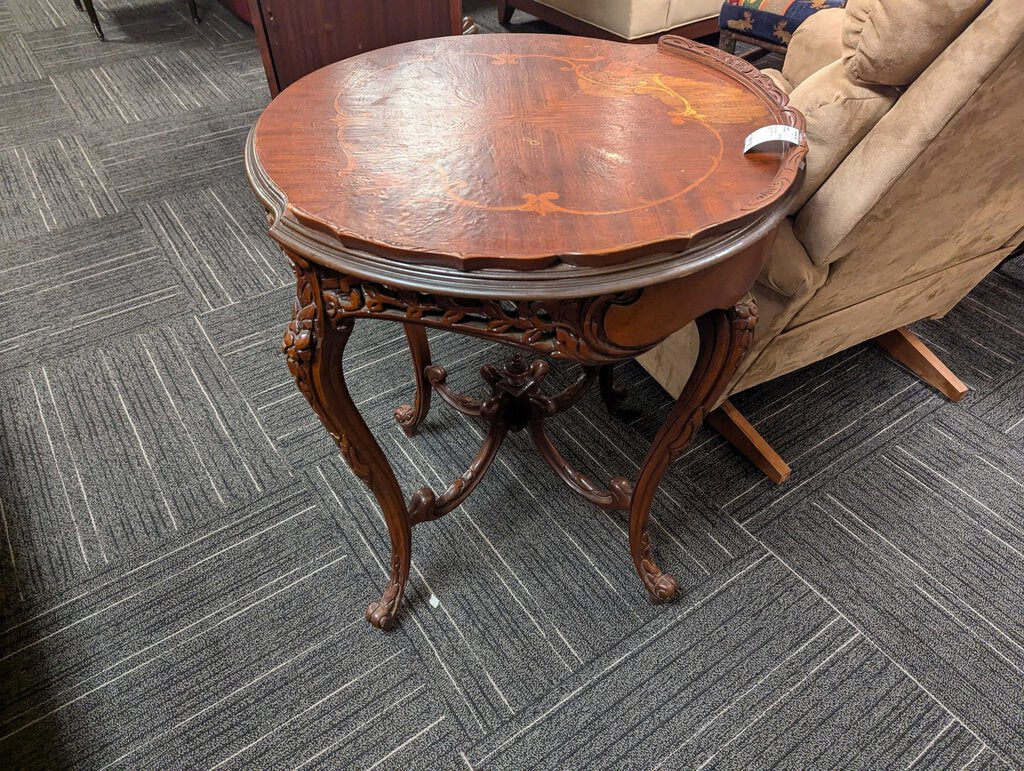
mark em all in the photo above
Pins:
pixel 524 151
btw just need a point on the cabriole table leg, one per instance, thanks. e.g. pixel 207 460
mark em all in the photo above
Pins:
pixel 313 346
pixel 410 417
pixel 724 338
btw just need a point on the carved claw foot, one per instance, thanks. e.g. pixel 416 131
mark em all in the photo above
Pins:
pixel 621 490
pixel 381 613
pixel 408 418
pixel 661 587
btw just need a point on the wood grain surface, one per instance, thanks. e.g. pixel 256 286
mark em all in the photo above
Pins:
pixel 522 151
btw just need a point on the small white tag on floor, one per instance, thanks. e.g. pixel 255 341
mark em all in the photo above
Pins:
pixel 774 138
pixel 434 602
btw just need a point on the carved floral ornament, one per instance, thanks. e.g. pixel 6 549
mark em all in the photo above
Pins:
pixel 558 328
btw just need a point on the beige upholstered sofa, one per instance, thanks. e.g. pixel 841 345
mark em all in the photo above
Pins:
pixel 914 190
pixel 633 20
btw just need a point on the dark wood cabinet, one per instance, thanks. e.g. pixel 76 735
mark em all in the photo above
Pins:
pixel 299 36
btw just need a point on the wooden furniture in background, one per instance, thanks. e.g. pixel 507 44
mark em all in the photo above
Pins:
pixel 296 37
pixel 576 199
pixel 737 431
pixel 577 26
pixel 767 27
pixel 90 10
pixel 908 349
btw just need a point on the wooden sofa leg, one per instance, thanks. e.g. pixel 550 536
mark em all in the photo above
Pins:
pixel 727 41
pixel 505 11
pixel 908 349
pixel 736 429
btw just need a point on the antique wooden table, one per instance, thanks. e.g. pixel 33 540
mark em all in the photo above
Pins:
pixel 576 199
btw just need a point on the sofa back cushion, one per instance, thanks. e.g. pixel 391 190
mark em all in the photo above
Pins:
pixel 838 114
pixel 935 183
pixel 891 42
pixel 817 43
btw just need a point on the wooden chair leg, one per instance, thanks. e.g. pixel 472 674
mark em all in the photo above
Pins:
pixel 91 11
pixel 727 41
pixel 505 11
pixel 736 429
pixel 908 349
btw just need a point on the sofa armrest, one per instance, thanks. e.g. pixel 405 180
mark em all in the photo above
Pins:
pixel 816 43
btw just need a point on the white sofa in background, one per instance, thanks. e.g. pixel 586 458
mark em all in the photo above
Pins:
pixel 632 20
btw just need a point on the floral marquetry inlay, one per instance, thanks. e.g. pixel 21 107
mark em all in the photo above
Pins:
pixel 546 121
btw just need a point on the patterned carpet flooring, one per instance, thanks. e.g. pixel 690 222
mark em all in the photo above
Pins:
pixel 185 561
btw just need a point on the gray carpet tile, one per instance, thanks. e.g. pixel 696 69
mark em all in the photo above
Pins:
pixel 33 108
pixel 983 337
pixel 770 658
pixel 485 14
pixel 853 396
pixel 249 338
pixel 682 514
pixel 49 15
pixel 106 273
pixel 33 15
pixel 61 180
pixel 1013 271
pixel 7 22
pixel 930 565
pixel 17 63
pixel 128 35
pixel 77 620
pixel 244 62
pixel 185 559
pixel 76 46
pixel 215 639
pixel 150 159
pixel 1003 405
pixel 157 86
pixel 94 445
pixel 223 258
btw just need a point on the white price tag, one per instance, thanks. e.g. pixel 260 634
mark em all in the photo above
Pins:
pixel 774 138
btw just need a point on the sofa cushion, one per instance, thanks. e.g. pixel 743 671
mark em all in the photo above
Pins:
pixel 773 21
pixel 839 113
pixel 817 43
pixel 788 270
pixel 671 362
pixel 891 42
pixel 633 19
pixel 627 20
pixel 779 79
pixel 682 12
